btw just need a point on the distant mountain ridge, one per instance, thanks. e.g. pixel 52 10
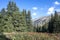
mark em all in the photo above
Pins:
pixel 41 21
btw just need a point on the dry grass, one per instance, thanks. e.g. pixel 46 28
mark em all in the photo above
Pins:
pixel 32 36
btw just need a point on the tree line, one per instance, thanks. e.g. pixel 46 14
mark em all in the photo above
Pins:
pixel 14 20
pixel 53 26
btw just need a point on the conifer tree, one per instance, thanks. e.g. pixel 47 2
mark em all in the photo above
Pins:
pixel 3 12
pixel 56 22
pixel 50 24
pixel 28 21
pixel 12 7
pixel 14 20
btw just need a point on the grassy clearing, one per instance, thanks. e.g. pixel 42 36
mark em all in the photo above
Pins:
pixel 31 36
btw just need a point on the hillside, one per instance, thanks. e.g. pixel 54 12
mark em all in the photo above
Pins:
pixel 41 21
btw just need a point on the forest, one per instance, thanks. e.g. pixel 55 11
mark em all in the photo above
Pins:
pixel 14 20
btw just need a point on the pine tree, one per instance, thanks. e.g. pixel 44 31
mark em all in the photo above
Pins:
pixel 23 20
pixel 3 12
pixel 45 27
pixel 50 24
pixel 12 7
pixel 28 21
pixel 56 22
pixel 14 20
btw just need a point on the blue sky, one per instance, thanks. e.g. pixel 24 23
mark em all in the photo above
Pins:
pixel 38 8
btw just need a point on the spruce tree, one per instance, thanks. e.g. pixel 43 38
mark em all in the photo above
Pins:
pixel 28 21
pixel 14 20
pixel 56 22
pixel 3 12
pixel 12 7
pixel 50 24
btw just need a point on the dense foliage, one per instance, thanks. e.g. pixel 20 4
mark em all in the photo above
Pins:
pixel 11 19
pixel 54 23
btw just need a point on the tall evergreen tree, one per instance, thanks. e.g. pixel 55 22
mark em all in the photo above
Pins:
pixel 3 12
pixel 50 24
pixel 28 21
pixel 15 20
pixel 12 7
pixel 56 22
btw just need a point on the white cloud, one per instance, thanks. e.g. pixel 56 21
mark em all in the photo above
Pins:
pixel 57 3
pixel 34 14
pixel 51 10
pixel 34 8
